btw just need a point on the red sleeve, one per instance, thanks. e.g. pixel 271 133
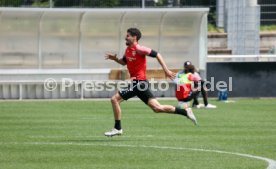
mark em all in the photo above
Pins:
pixel 143 50
pixel 192 77
pixel 197 75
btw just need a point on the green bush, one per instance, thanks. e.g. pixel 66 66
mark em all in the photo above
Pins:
pixel 11 3
pixel 268 28
pixel 41 4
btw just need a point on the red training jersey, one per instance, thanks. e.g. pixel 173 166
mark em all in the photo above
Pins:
pixel 135 57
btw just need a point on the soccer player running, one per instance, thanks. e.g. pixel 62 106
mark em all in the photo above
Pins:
pixel 135 59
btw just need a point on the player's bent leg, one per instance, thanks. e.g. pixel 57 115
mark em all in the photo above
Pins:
pixel 158 108
pixel 205 97
pixel 204 92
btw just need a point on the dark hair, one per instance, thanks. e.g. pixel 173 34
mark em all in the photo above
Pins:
pixel 189 69
pixel 135 32
pixel 187 63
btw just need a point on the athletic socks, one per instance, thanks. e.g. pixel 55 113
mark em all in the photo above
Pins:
pixel 177 111
pixel 118 125
pixel 180 111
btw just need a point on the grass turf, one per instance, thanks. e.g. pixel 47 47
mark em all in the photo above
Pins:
pixel 69 134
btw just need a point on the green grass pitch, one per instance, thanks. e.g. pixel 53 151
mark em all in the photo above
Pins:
pixel 69 135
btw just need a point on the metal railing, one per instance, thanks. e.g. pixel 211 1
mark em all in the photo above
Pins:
pixel 268 11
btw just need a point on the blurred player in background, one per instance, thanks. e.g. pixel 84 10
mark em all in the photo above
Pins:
pixel 185 81
pixel 135 59
pixel 202 88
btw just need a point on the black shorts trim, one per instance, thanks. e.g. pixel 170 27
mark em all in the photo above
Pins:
pixel 139 88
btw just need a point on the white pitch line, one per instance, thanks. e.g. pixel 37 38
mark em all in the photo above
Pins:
pixel 42 136
pixel 271 162
pixel 99 118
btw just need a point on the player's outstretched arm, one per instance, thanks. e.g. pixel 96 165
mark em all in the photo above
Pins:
pixel 115 58
pixel 161 61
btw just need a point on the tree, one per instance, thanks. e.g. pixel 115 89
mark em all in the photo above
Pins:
pixel 11 3
pixel 41 3
pixel 101 3
pixel 131 3
pixel 66 3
